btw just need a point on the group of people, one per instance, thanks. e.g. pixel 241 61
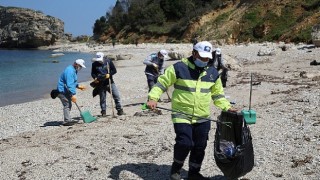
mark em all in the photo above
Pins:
pixel 196 83
pixel 102 72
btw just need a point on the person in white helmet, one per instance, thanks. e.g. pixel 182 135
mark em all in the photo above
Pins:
pixel 218 62
pixel 155 66
pixel 67 85
pixel 102 78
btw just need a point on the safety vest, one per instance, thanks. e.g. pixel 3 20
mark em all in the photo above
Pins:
pixel 193 91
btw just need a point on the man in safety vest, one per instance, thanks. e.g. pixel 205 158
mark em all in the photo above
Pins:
pixel 195 85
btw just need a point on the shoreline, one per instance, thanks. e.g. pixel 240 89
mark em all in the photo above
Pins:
pixel 139 145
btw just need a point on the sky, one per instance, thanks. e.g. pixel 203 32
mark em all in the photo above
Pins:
pixel 78 16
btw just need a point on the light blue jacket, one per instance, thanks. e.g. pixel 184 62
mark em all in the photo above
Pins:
pixel 70 78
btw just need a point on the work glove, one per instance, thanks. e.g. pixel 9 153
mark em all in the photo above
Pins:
pixel 96 80
pixel 107 76
pixel 81 87
pixel 74 98
pixel 155 65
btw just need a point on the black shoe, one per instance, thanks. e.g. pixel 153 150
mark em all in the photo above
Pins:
pixel 120 112
pixel 175 171
pixel 196 176
pixel 103 113
pixel 175 176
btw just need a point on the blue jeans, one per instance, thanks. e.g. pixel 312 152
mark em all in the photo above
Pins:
pixel 191 138
pixel 66 102
pixel 115 95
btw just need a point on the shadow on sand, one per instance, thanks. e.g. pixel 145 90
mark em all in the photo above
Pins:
pixel 149 171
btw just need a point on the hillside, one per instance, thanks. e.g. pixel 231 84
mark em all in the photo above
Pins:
pixel 230 22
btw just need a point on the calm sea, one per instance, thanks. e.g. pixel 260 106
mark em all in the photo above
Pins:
pixel 27 75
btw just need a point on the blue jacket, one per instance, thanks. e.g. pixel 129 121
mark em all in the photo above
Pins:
pixel 70 78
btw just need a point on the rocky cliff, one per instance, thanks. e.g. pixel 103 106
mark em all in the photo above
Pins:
pixel 25 28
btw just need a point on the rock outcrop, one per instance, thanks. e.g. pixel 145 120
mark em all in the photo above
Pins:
pixel 26 28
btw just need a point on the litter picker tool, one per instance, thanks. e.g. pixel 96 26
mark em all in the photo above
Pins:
pixel 110 88
pixel 144 107
pixel 168 96
pixel 85 115
pixel 250 115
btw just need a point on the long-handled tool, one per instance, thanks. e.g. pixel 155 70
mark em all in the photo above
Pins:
pixel 110 88
pixel 250 115
pixel 85 115
pixel 144 107
pixel 168 96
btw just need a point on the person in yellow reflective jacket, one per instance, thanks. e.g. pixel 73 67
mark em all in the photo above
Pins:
pixel 195 86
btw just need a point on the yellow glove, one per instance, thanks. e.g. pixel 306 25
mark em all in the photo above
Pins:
pixel 96 80
pixel 74 98
pixel 107 76
pixel 155 65
pixel 81 87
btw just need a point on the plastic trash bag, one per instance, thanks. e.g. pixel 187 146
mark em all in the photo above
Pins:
pixel 238 134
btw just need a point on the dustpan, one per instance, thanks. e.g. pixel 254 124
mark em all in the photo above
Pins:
pixel 250 115
pixel 86 115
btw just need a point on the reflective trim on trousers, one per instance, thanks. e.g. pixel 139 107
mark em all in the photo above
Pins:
pixel 194 165
pixel 187 117
pixel 177 161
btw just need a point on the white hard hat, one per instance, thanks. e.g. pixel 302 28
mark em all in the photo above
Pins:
pixel 99 56
pixel 80 62
pixel 204 49
pixel 218 51
pixel 164 53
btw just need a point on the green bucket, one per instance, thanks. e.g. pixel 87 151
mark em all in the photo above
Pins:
pixel 250 116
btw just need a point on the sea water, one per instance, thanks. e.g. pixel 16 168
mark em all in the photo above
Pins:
pixel 27 75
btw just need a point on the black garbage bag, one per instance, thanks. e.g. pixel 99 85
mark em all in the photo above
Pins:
pixel 233 149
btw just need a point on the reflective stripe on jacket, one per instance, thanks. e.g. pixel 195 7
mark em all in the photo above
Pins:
pixel 193 91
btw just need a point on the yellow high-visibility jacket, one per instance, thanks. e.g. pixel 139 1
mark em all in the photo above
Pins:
pixel 193 91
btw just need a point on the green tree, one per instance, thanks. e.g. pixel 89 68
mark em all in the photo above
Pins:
pixel 100 26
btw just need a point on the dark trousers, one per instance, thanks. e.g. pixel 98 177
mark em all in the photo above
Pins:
pixel 152 80
pixel 190 139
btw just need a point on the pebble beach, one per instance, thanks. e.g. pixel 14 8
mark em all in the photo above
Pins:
pixel 286 136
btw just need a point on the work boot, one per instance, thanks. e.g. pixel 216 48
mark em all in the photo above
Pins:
pixel 103 113
pixel 196 176
pixel 175 171
pixel 175 176
pixel 120 112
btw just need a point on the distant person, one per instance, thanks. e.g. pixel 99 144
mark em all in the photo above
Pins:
pixel 102 76
pixel 196 86
pixel 136 42
pixel 218 63
pixel 113 42
pixel 67 84
pixel 194 40
pixel 154 66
